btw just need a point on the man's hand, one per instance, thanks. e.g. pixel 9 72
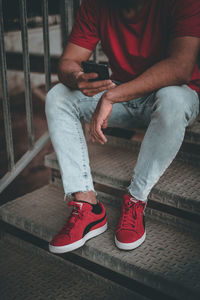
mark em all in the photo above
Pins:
pixel 89 88
pixel 71 74
pixel 100 120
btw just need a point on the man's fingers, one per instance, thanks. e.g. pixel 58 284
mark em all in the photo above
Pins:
pixel 87 76
pixel 92 130
pixel 96 137
pixel 95 84
pixel 92 92
pixel 91 88
pixel 105 124
pixel 100 83
pixel 96 133
pixel 100 134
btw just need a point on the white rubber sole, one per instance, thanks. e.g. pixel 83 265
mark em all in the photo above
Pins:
pixel 79 243
pixel 130 246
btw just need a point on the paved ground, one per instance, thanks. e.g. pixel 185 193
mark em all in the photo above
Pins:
pixel 27 272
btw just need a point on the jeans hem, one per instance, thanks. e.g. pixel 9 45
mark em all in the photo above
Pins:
pixel 72 196
pixel 135 195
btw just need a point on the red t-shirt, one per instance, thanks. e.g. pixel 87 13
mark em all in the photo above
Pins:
pixel 134 46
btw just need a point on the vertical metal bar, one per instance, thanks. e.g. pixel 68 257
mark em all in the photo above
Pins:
pixel 26 64
pixel 64 22
pixel 24 161
pixel 66 11
pixel 47 66
pixel 70 16
pixel 96 53
pixel 6 102
pixel 76 4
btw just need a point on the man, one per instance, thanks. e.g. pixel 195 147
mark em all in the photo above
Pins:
pixel 152 47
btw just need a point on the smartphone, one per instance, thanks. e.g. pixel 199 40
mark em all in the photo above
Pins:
pixel 100 69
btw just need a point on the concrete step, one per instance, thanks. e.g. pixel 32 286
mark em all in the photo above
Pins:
pixel 178 187
pixel 192 134
pixel 161 214
pixel 189 152
pixel 28 272
pixel 168 260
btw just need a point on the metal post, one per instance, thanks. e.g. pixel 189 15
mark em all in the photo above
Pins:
pixel 76 7
pixel 24 161
pixel 26 64
pixel 96 54
pixel 66 11
pixel 47 66
pixel 6 102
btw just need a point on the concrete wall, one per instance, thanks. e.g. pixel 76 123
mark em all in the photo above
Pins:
pixel 35 38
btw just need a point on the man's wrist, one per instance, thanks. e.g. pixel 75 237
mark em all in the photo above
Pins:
pixel 122 93
pixel 113 96
pixel 109 97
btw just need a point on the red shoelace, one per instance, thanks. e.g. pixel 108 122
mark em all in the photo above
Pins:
pixel 72 219
pixel 128 216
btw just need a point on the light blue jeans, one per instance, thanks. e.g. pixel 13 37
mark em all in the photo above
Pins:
pixel 165 114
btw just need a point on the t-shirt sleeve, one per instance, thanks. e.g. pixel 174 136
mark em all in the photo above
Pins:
pixel 185 18
pixel 85 32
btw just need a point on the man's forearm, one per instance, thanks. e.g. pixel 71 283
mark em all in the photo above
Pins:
pixel 165 73
pixel 67 72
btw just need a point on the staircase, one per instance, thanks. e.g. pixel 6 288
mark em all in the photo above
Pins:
pixel 165 266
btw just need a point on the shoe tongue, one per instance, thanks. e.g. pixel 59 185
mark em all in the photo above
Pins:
pixel 76 203
pixel 80 204
pixel 128 198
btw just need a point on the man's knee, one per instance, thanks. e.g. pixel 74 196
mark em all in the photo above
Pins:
pixel 175 103
pixel 53 96
pixel 57 98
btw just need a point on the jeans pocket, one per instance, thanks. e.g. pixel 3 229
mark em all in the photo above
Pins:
pixel 136 103
pixel 142 101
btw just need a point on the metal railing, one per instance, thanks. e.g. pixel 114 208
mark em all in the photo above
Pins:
pixel 68 10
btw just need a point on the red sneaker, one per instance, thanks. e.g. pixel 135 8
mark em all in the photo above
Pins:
pixel 130 232
pixel 84 222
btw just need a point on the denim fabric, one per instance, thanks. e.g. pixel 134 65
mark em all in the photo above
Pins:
pixel 164 114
